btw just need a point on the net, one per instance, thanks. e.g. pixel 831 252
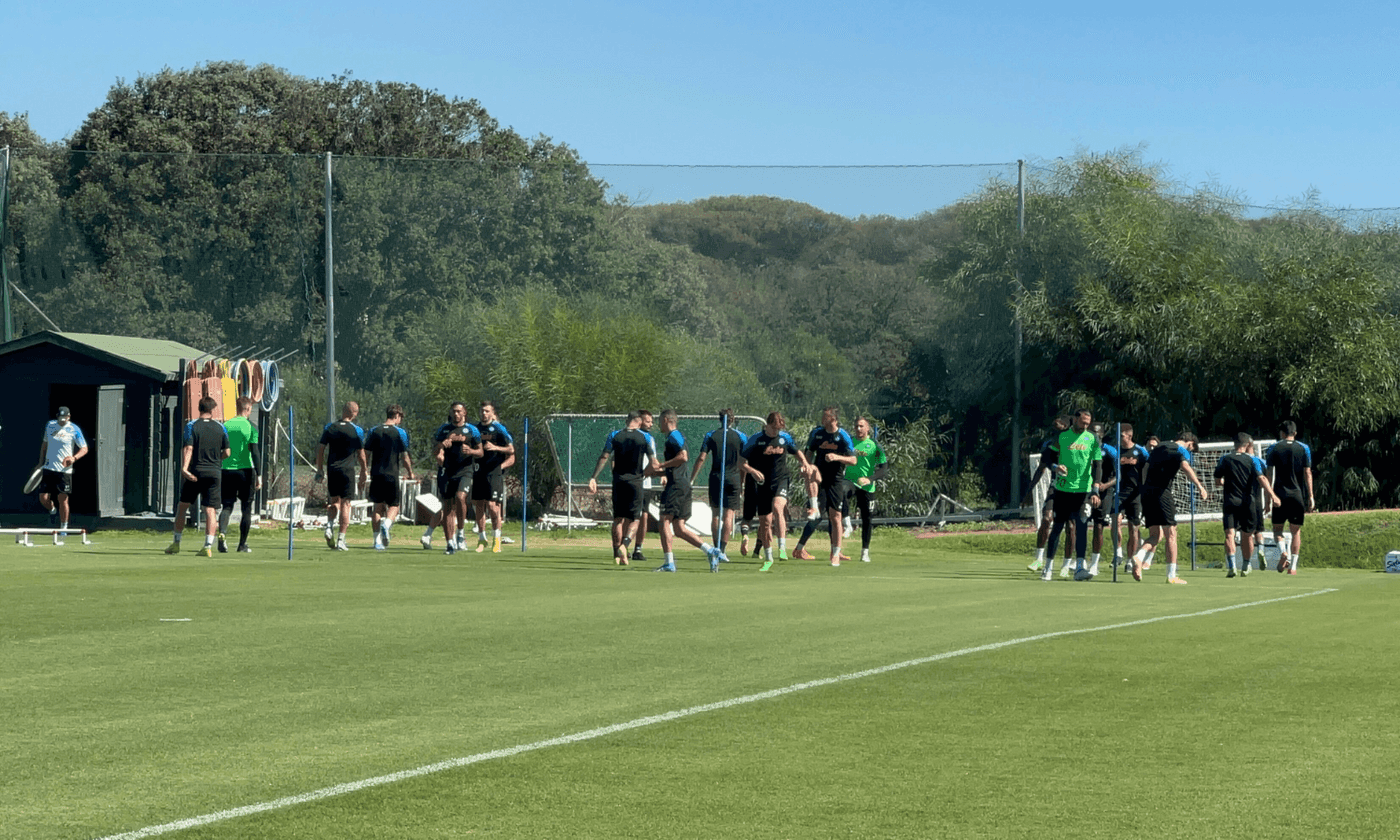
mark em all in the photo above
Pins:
pixel 576 440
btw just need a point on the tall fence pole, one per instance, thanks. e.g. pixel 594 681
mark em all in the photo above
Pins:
pixel 1016 386
pixel 525 491
pixel 331 414
pixel 291 472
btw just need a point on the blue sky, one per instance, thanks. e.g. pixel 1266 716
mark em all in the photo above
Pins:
pixel 1268 101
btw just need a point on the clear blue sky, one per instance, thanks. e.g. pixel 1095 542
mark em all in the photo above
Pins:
pixel 1267 100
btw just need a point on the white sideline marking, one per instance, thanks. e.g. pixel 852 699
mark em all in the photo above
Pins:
pixel 454 763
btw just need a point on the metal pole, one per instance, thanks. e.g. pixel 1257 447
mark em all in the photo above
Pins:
pixel 291 472
pixel 1020 289
pixel 4 240
pixel 525 492
pixel 569 483
pixel 330 303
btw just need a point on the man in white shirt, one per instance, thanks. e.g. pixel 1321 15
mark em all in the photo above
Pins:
pixel 63 445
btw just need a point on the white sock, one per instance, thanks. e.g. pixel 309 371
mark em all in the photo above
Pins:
pixel 1095 559
pixel 1040 554
pixel 1293 560
pixel 670 557
pixel 782 543
pixel 768 553
pixel 1151 554
pixel 1171 571
pixel 208 540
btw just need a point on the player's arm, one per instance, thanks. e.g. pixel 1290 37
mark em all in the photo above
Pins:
pixel 699 462
pixel 1191 474
pixel 597 469
pixel 186 453
pixel 1268 489
pixel 364 467
pixel 1095 476
pixel 320 459
pixel 1307 474
pixel 680 458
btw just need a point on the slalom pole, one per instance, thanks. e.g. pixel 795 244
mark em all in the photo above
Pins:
pixel 1117 483
pixel 1193 527
pixel 525 491
pixel 723 474
pixel 291 473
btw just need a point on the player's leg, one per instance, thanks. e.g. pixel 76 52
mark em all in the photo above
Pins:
pixel 867 526
pixel 245 508
pixel 779 523
pixel 479 508
pixel 228 495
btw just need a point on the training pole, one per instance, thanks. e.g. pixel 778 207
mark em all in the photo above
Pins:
pixel 291 472
pixel 723 475
pixel 525 491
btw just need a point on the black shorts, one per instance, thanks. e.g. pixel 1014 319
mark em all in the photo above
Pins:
pixel 1290 510
pixel 832 496
pixel 384 490
pixel 1048 508
pixel 1238 517
pixel 750 498
pixel 627 499
pixel 650 496
pixel 1256 515
pixel 489 486
pixel 448 488
pixel 676 500
pixel 1131 511
pixel 56 483
pixel 338 483
pixel 204 489
pixel 1068 506
pixel 236 486
pixel 768 492
pixel 1158 508
pixel 1099 515
pixel 733 498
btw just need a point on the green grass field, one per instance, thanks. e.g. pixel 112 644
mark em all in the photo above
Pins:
pixel 1258 707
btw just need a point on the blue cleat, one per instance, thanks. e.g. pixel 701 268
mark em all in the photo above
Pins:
pixel 665 567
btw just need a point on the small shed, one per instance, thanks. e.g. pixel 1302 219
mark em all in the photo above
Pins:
pixel 124 394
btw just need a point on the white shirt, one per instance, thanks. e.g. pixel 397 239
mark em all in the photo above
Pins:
pixel 62 439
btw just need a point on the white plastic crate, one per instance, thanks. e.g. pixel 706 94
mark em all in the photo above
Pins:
pixel 277 509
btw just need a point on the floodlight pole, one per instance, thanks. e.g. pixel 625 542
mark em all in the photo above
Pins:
pixel 1016 379
pixel 330 304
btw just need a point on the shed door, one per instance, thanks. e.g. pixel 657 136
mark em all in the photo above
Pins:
pixel 111 450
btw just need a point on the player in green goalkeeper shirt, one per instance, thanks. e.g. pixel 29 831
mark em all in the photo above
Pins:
pixel 1078 457
pixel 870 467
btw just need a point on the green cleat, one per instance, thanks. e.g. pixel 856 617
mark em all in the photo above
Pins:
pixel 173 548
pixel 767 564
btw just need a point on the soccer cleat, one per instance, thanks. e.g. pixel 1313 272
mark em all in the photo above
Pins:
pixel 207 551
pixel 451 547
pixel 865 557
pixel 341 547
pixel 244 549
pixel 223 544
pixel 1244 570
pixel 1176 580
pixel 1230 573
pixel 1093 570
pixel 173 548
pixel 714 561
pixel 1047 575
pixel 379 546
pixel 1082 574
pixel 53 518
pixel 638 556
pixel 767 565
pixel 384 536
pixel 782 554
pixel 507 541
pixel 330 538
pixel 1036 566
pixel 665 567
pixel 802 554
pixel 426 541
pixel 496 546
pixel 1064 572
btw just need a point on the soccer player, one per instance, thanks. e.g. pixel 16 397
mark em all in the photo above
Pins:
pixel 456 446
pixel 1101 513
pixel 1290 468
pixel 62 447
pixel 870 467
pixel 201 465
pixel 345 443
pixel 488 486
pixel 675 500
pixel 239 477
pixel 1158 506
pixel 1047 511
pixel 387 445
pixel 629 448
pixel 830 450
pixel 765 455
pixel 1237 474
pixel 726 445
pixel 1077 457
pixel 1132 465
pixel 649 496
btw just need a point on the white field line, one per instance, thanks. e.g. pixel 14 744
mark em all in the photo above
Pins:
pixel 564 740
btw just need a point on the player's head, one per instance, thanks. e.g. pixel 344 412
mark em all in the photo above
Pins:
pixel 863 428
pixel 350 410
pixel 1082 418
pixel 726 417
pixel 393 412
pixel 1242 441
pixel 207 405
pixel 831 416
pixel 489 412
pixel 1188 439
pixel 669 420
pixel 1097 429
pixel 1152 441
pixel 1125 433
pixel 1288 429
pixel 244 406
pixel 1060 423
pixel 457 413
pixel 776 422
pixel 62 415
pixel 646 419
pixel 634 419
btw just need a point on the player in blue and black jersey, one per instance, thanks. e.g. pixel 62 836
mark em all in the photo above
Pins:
pixel 766 454
pixel 1290 467
pixel 344 442
pixel 633 453
pixel 675 500
pixel 1158 506
pixel 1239 479
pixel 725 451
pixel 1132 466
pixel 387 445
pixel 829 451
pixel 201 464
pixel 488 487
pixel 456 446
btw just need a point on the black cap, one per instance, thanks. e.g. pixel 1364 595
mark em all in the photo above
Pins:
pixel 63 412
